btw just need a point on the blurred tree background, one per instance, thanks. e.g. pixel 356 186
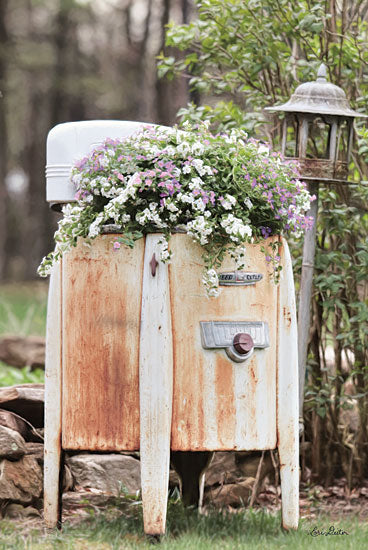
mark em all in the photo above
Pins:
pixel 66 60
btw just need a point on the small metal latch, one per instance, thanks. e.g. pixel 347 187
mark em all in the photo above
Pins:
pixel 153 263
pixel 238 338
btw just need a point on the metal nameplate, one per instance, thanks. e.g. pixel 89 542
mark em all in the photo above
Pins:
pixel 239 278
pixel 220 334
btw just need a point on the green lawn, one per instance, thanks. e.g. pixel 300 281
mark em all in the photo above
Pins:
pixel 186 530
pixel 23 308
pixel 23 313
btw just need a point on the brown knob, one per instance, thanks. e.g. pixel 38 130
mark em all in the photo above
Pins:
pixel 243 343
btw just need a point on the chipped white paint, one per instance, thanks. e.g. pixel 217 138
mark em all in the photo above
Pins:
pixel 210 398
pixel 155 389
pixel 52 448
pixel 287 395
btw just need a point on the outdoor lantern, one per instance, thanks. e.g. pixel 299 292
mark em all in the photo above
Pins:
pixel 318 133
pixel 318 130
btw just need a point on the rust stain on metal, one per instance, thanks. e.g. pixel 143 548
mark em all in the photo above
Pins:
pixel 100 352
pixel 155 527
pixel 252 374
pixel 252 406
pixel 287 316
pixel 226 412
pixel 188 408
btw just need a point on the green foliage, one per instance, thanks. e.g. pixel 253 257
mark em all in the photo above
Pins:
pixel 23 308
pixel 22 312
pixel 11 376
pixel 255 53
pixel 241 57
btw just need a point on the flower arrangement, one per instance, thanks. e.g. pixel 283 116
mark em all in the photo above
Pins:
pixel 224 190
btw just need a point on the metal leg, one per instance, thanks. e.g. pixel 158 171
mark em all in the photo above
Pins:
pixel 155 389
pixel 287 396
pixel 289 473
pixel 52 452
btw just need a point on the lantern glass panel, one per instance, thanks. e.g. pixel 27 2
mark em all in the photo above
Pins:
pixel 318 144
pixel 292 130
pixel 342 140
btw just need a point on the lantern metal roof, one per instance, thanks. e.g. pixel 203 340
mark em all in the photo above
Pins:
pixel 318 97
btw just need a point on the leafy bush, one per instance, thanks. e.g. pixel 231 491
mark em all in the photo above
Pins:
pixel 241 57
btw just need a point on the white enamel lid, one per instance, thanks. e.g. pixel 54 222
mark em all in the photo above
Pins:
pixel 69 142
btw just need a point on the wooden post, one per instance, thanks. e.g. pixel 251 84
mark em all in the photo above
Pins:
pixel 52 449
pixel 305 295
pixel 155 388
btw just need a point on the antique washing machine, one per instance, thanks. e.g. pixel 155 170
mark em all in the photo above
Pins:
pixel 138 358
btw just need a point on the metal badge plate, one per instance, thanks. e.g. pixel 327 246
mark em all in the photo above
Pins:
pixel 220 334
pixel 239 278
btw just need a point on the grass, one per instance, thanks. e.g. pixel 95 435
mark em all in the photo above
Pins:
pixel 10 376
pixel 186 530
pixel 22 312
pixel 23 308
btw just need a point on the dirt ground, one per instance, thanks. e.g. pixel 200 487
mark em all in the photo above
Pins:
pixel 335 501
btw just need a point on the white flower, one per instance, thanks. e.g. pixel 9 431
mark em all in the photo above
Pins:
pixel 248 203
pixel 183 149
pixel 263 150
pixel 239 256
pixel 199 205
pixel 235 228
pixel 195 183
pixel 210 281
pixel 165 254
pixel 186 198
pixel 94 228
pixel 150 215
pixel 199 228
pixel 228 202
pixel 76 179
pixel 198 165
pixel 171 206
pixel 104 161
pixel 197 148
